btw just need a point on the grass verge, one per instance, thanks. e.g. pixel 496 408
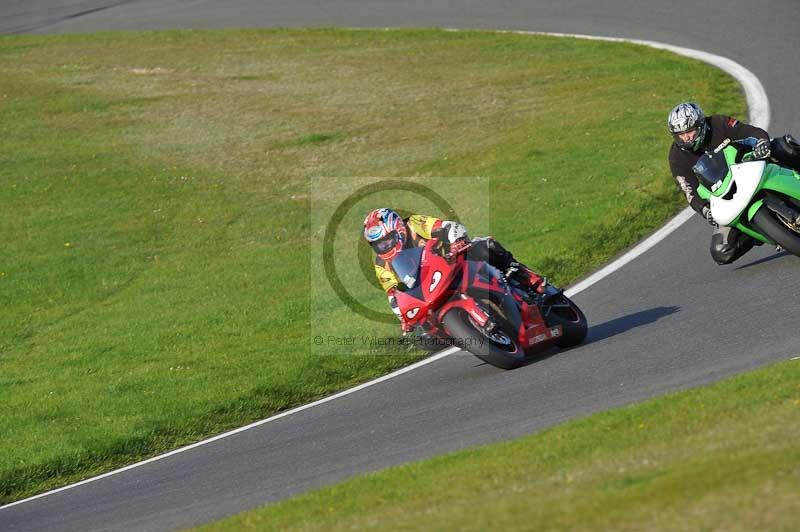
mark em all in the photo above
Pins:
pixel 723 457
pixel 158 213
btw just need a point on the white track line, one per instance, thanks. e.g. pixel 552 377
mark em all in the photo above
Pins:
pixel 640 248
pixel 757 104
pixel 437 356
pixel 759 115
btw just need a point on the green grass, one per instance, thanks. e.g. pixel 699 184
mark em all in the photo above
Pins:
pixel 317 138
pixel 163 197
pixel 723 457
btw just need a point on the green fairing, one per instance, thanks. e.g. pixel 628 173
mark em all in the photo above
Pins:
pixel 758 236
pixel 781 180
pixel 745 228
pixel 726 184
pixel 730 156
pixel 754 209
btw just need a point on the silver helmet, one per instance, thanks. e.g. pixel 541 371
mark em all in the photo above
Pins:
pixel 686 117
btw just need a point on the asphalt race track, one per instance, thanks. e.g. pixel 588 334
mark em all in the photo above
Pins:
pixel 670 319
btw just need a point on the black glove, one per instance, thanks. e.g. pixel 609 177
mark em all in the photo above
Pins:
pixel 708 217
pixel 761 149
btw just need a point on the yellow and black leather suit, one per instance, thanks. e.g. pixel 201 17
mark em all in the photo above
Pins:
pixel 420 228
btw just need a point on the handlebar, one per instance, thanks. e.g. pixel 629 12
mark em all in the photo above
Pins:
pixel 461 249
pixel 449 251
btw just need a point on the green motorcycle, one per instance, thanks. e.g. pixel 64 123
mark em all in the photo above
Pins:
pixel 760 198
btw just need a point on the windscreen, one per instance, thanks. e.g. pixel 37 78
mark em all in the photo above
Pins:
pixel 711 169
pixel 406 266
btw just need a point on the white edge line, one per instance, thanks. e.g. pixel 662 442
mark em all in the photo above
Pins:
pixel 639 249
pixel 756 96
pixel 412 367
pixel 758 106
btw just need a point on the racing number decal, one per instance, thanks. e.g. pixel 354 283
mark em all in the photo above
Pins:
pixel 437 276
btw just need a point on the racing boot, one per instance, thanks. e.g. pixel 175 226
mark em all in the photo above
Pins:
pixel 524 276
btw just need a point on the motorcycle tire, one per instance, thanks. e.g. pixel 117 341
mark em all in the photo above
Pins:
pixel 766 222
pixel 507 354
pixel 428 342
pixel 573 323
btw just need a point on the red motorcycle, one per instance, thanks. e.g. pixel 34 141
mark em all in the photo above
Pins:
pixel 456 301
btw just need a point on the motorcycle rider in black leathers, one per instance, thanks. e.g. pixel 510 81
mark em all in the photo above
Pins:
pixel 693 134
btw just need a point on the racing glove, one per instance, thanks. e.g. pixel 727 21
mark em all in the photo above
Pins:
pixel 396 309
pixel 458 246
pixel 761 149
pixel 708 217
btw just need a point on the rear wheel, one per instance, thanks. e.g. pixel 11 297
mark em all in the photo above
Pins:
pixel 563 311
pixel 499 347
pixel 778 229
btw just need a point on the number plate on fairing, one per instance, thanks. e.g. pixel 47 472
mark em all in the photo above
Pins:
pixel 548 334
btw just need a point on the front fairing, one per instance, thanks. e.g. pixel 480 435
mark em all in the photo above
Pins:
pixel 727 182
pixel 410 300
pixel 737 192
pixel 783 180
pixel 406 266
pixel 713 168
pixel 425 279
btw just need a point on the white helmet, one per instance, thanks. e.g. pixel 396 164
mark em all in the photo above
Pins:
pixel 686 117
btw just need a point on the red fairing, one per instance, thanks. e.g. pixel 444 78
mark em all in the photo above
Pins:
pixel 436 277
pixel 468 304
pixel 534 331
pixel 439 295
pixel 493 286
pixel 414 310
pixel 437 274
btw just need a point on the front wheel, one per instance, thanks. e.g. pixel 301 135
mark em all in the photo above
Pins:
pixel 499 348
pixel 429 342
pixel 779 231
pixel 563 311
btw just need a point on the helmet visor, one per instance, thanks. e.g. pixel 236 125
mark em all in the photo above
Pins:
pixel 691 139
pixel 688 137
pixel 386 243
